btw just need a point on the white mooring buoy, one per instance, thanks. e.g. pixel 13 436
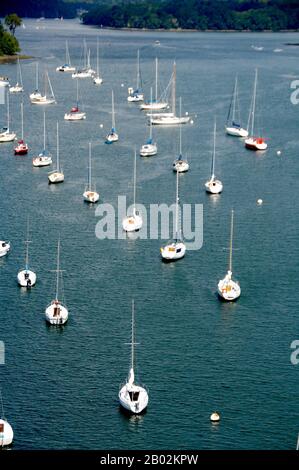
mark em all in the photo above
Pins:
pixel 215 417
pixel 259 202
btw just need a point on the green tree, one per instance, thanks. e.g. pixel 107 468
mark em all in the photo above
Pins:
pixel 12 21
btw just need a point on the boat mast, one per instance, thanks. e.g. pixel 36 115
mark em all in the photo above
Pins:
pixel 253 103
pixel 138 71
pixel 234 99
pixel 133 335
pixel 151 117
pixel 98 69
pixel 134 182
pixel 113 117
pixel 180 149
pixel 57 161
pixel 22 121
pixel 156 89
pixel 51 89
pixel 57 270
pixel 8 113
pixel 177 208
pixel 20 73
pixel 27 246
pixel 44 130
pixel 230 261
pixel 173 87
pixel 77 93
pixel 214 153
pixel 89 167
pixel 36 76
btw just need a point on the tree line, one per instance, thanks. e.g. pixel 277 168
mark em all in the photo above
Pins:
pixel 9 44
pixel 253 15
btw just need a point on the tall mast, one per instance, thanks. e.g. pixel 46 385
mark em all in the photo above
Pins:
pixel 214 153
pixel 151 112
pixel 8 115
pixel 113 117
pixel 77 92
pixel 20 73
pixel 27 246
pixel 156 89
pixel 22 121
pixel 234 100
pixel 138 71
pixel 46 82
pixel 36 76
pixel 89 167
pixel 57 130
pixel 66 53
pixel 57 270
pixel 98 70
pixel 230 262
pixel 133 335
pixel 173 87
pixel 180 127
pixel 88 59
pixel 44 129
pixel 134 181
pixel 254 101
pixel 177 207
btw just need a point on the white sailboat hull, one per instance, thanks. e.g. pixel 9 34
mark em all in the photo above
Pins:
pixel 228 289
pixel 4 248
pixel 98 80
pixel 173 251
pixel 56 313
pixel 16 89
pixel 132 223
pixel 56 177
pixel 7 136
pixel 42 160
pixel 26 278
pixel 135 98
pixel 155 106
pixel 148 150
pixel 255 143
pixel 84 74
pixel 214 186
pixel 110 138
pixel 236 131
pixel 78 116
pixel 91 196
pixel 169 120
pixel 133 398
pixel 66 68
pixel 181 166
pixel 41 100
pixel 6 437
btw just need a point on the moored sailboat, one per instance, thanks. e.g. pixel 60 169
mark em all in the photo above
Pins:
pixel 27 277
pixel 150 148
pixel 97 79
pixel 75 114
pixel 136 95
pixel 56 176
pixel 180 164
pixel 133 397
pixel 157 103
pixel 90 194
pixel 37 98
pixel 233 123
pixel 228 289
pixel 44 158
pixel 67 66
pixel 56 313
pixel 22 147
pixel 18 87
pixel 6 135
pixel 112 136
pixel 213 185
pixel 133 222
pixel 254 143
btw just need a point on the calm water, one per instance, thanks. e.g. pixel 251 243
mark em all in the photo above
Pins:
pixel 197 354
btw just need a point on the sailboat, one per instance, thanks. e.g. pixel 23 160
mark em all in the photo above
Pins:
pixel 4 81
pixel 254 143
pixel 133 222
pixel 22 147
pixel 6 432
pixel 75 114
pixel 149 148
pixel 175 249
pixel 18 87
pixel 44 158
pixel 97 79
pixel 136 95
pixel 233 122
pixel 132 397
pixel 87 71
pixel 89 195
pixel 57 175
pixel 170 119
pixel 213 185
pixel 112 136
pixel 5 134
pixel 67 67
pixel 26 277
pixel 228 289
pixel 180 164
pixel 4 248
pixel 56 313
pixel 37 98
pixel 157 104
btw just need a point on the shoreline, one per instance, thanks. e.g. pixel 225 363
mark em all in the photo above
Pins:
pixel 12 58
pixel 181 30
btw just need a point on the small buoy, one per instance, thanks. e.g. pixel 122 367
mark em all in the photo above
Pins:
pixel 6 433
pixel 186 113
pixel 122 85
pixel 215 417
pixel 191 122
pixel 259 202
pixel 101 126
pixel 278 152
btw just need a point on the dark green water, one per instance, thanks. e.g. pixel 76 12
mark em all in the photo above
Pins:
pixel 197 354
